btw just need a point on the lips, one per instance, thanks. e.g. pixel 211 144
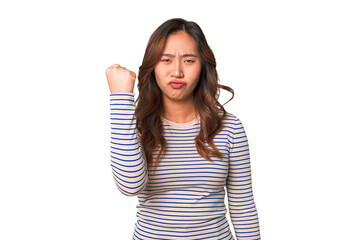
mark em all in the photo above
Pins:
pixel 176 84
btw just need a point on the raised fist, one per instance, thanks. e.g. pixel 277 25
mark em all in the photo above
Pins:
pixel 120 79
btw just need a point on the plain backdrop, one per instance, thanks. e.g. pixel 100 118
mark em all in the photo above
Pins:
pixel 294 66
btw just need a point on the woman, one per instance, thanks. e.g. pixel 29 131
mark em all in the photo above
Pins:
pixel 177 148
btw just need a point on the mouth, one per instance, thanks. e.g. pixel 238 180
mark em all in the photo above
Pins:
pixel 176 84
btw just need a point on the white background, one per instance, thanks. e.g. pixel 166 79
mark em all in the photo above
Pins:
pixel 294 66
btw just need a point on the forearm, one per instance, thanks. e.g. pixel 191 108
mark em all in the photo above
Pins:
pixel 242 207
pixel 127 161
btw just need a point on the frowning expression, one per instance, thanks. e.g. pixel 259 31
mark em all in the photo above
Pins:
pixel 178 70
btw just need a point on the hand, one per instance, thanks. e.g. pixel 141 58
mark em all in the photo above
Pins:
pixel 120 79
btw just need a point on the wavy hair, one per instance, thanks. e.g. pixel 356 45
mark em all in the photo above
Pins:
pixel 149 104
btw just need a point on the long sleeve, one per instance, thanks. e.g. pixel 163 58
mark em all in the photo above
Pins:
pixel 128 163
pixel 242 207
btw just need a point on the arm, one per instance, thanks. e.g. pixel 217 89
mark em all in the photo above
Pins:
pixel 238 184
pixel 127 159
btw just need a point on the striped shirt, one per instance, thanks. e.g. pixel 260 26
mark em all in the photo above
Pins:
pixel 183 198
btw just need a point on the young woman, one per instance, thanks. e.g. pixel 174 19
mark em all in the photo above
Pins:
pixel 177 148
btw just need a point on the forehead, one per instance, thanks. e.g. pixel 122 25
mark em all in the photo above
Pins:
pixel 180 42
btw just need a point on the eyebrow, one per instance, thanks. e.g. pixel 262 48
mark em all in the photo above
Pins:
pixel 184 55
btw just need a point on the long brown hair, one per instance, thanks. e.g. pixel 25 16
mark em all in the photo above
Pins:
pixel 150 108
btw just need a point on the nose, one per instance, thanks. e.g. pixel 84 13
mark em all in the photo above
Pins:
pixel 178 69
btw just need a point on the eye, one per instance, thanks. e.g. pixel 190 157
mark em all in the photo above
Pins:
pixel 165 60
pixel 189 61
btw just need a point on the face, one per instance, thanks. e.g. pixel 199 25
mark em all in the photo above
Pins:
pixel 178 70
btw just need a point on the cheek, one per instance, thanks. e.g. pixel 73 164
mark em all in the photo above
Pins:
pixel 196 68
pixel 196 73
pixel 159 74
pixel 160 80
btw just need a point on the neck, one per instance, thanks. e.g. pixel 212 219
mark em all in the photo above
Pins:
pixel 179 111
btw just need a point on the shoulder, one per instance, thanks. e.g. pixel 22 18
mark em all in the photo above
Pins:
pixel 233 126
pixel 235 130
pixel 231 121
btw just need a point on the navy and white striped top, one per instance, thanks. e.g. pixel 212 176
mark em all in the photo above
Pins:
pixel 184 197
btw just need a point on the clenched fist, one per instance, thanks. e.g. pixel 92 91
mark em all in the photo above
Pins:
pixel 120 79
